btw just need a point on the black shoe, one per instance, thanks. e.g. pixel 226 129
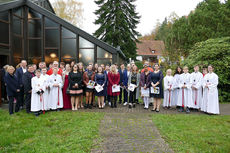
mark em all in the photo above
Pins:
pixel 120 102
pixel 181 109
pixel 112 105
pixel 115 105
pixel 153 110
pixel 130 105
pixel 157 111
pixel 134 105
pixel 150 104
pixel 187 110
pixel 90 106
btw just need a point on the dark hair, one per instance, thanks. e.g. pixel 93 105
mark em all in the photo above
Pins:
pixel 177 72
pixel 77 68
pixel 30 65
pixel 62 63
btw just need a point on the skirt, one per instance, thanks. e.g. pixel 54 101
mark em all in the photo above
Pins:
pixel 76 92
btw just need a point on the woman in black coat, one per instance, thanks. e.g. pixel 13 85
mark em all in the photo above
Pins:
pixel 12 89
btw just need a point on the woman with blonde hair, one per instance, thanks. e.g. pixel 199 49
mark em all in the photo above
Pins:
pixel 134 79
pixel 113 82
pixel 12 89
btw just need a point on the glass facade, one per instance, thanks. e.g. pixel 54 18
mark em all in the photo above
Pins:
pixel 27 33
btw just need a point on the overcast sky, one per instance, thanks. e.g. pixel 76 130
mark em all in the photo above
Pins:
pixel 149 10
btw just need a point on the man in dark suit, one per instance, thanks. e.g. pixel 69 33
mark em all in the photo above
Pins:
pixel 19 73
pixel 123 83
pixel 26 80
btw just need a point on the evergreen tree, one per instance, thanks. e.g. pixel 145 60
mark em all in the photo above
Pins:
pixel 118 20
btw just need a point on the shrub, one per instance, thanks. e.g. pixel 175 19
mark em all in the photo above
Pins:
pixel 217 53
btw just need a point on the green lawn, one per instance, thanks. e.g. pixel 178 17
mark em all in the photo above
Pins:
pixel 195 133
pixel 64 131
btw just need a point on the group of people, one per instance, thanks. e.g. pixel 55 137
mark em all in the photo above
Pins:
pixel 65 86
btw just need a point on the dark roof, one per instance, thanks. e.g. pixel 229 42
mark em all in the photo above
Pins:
pixel 145 47
pixel 48 14
pixel 43 3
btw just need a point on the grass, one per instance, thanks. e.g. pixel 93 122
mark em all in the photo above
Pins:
pixel 64 131
pixel 195 133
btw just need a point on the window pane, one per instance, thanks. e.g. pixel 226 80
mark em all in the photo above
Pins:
pixel 101 53
pixel 85 43
pixel 4 50
pixel 68 48
pixel 68 60
pixel 17 47
pixel 4 31
pixel 18 11
pixel 67 34
pixel 34 28
pixel 35 48
pixel 51 55
pixel 17 60
pixel 33 14
pixel 51 38
pixel 17 23
pixel 4 15
pixel 86 56
pixel 34 60
pixel 50 23
pixel 104 61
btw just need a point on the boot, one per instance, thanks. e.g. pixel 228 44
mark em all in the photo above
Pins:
pixel 115 104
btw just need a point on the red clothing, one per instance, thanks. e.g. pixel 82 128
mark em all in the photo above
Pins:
pixel 50 72
pixel 149 68
pixel 112 80
pixel 66 97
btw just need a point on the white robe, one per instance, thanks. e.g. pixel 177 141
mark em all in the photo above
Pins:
pixel 36 99
pixel 196 81
pixel 185 95
pixel 45 105
pixel 55 96
pixel 168 82
pixel 176 88
pixel 210 103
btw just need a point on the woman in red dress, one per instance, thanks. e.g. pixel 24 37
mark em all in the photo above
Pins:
pixel 66 97
pixel 113 81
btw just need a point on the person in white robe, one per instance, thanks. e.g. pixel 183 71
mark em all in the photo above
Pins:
pixel 185 94
pixel 176 86
pixel 196 81
pixel 168 89
pixel 37 93
pixel 45 78
pixel 55 96
pixel 210 103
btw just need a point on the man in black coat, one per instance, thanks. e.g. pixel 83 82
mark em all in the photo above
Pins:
pixel 26 80
pixel 19 73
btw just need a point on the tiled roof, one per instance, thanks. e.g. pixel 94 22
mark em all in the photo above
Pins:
pixel 145 47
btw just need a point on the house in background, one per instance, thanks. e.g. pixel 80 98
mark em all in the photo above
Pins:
pixel 150 50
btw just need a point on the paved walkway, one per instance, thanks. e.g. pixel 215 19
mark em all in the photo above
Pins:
pixel 134 132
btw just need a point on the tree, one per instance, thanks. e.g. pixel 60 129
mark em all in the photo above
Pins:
pixel 217 53
pixel 70 10
pixel 118 21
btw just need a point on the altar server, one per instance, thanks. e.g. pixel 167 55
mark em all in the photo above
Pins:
pixel 210 102
pixel 55 97
pixel 196 81
pixel 185 94
pixel 45 78
pixel 168 82
pixel 37 93
pixel 176 85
